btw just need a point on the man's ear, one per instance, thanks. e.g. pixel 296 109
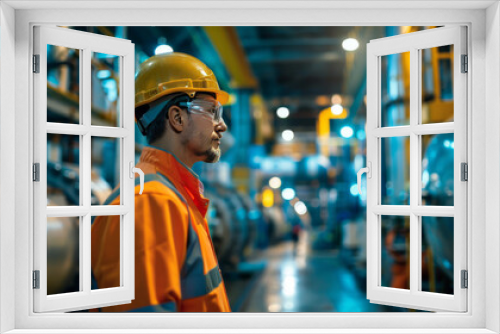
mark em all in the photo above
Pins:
pixel 175 118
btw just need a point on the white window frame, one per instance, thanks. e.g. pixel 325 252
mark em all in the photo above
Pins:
pixel 483 21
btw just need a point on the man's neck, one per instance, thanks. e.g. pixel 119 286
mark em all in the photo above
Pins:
pixel 177 150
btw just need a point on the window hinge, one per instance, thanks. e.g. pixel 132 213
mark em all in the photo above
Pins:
pixel 465 64
pixel 36 279
pixel 36 63
pixel 36 172
pixel 464 171
pixel 465 279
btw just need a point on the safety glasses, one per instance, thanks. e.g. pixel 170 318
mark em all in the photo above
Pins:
pixel 204 107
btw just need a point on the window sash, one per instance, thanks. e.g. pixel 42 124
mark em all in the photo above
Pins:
pixel 87 43
pixel 413 298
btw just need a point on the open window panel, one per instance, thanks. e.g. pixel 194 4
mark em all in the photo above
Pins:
pixel 416 197
pixel 69 128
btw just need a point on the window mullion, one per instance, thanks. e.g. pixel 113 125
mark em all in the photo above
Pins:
pixel 86 101
pixel 396 210
pixel 85 254
pixel 372 184
pixel 414 171
pixel 109 132
pixel 127 155
pixel 393 131
pixel 85 153
pixel 434 129
pixel 67 129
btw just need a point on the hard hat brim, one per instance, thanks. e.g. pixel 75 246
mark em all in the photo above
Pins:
pixel 221 96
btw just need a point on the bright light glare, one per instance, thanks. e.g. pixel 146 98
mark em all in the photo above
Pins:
pixel 346 132
pixel 289 292
pixel 350 44
pixel 289 286
pixel 425 178
pixel 289 282
pixel 274 308
pixel 103 74
pixel 275 182
pixel 354 190
pixel 361 135
pixel 337 109
pixel 449 144
pixel 336 99
pixel 283 112
pixel 163 48
pixel 288 194
pixel 300 207
pixel 287 135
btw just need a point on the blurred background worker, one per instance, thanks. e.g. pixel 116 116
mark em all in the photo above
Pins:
pixel 178 107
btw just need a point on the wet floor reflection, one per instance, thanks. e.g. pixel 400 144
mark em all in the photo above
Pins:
pixel 302 280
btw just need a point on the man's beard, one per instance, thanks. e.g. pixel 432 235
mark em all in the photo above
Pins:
pixel 212 155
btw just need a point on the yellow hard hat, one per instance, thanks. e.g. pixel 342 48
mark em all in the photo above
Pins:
pixel 174 72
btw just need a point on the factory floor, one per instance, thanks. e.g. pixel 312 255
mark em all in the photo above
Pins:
pixel 301 280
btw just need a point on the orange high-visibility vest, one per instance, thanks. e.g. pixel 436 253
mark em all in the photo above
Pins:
pixel 176 267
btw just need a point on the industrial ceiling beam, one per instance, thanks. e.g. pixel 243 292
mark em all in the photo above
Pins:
pixel 228 45
pixel 295 57
pixel 300 42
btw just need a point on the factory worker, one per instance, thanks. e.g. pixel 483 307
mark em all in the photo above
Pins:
pixel 178 107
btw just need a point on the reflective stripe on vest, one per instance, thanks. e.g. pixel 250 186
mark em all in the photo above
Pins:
pixel 194 283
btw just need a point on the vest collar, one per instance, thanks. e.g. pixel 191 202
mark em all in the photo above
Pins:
pixel 178 173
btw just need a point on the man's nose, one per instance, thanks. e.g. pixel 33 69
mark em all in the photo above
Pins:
pixel 221 126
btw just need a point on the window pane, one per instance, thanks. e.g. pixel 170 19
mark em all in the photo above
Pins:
pixel 395 89
pixel 437 169
pixel 63 85
pixel 395 252
pixel 105 169
pixel 437 84
pixel 105 89
pixel 395 171
pixel 63 166
pixel 437 246
pixel 63 255
pixel 105 253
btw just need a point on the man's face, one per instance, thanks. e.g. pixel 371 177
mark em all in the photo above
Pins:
pixel 203 134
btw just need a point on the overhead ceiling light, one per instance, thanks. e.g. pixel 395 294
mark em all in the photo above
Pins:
pixel 300 208
pixel 283 112
pixel 350 44
pixel 336 99
pixel 337 109
pixel 163 47
pixel 287 135
pixel 346 132
pixel 288 194
pixel 275 182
